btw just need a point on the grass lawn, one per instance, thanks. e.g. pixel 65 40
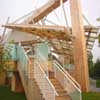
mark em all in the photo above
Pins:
pixel 91 96
pixel 98 83
pixel 7 94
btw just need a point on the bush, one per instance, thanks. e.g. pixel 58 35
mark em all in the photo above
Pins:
pixel 4 57
pixel 91 65
pixel 98 83
pixel 90 96
pixel 96 74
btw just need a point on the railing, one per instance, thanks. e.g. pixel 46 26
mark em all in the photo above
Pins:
pixel 42 78
pixel 24 61
pixel 23 68
pixel 67 82
pixel 45 85
pixel 44 63
pixel 65 71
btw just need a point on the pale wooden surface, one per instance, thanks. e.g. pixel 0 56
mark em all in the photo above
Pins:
pixel 43 11
pixel 80 54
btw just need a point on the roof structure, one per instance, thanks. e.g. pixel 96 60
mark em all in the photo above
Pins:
pixel 57 35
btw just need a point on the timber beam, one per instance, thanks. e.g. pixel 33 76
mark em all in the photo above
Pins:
pixel 43 11
pixel 79 51
pixel 51 32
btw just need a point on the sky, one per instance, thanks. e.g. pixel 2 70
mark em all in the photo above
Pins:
pixel 17 8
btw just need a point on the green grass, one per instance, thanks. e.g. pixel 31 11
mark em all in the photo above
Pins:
pixel 7 94
pixel 98 83
pixel 91 96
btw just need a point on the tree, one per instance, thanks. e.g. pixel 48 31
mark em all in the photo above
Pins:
pixel 4 57
pixel 91 65
pixel 98 19
pixel 99 39
pixel 97 69
pixel 1 58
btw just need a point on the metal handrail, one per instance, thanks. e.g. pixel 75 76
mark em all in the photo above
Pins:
pixel 48 80
pixel 47 89
pixel 69 79
pixel 61 67
pixel 66 74
pixel 72 79
pixel 71 82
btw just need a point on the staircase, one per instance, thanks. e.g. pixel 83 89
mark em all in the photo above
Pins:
pixel 43 83
pixel 26 71
pixel 60 83
pixel 61 92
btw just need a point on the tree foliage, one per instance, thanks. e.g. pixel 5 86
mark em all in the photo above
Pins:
pixel 99 39
pixel 97 69
pixel 4 57
pixel 91 65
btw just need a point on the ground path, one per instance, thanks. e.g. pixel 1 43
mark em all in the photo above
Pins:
pixel 93 87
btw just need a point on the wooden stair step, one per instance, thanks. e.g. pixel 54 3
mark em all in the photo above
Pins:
pixel 63 97
pixel 61 90
pixel 54 81
pixel 56 84
pixel 62 94
pixel 57 87
pixel 51 74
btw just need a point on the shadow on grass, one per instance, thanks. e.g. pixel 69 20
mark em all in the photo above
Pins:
pixel 7 94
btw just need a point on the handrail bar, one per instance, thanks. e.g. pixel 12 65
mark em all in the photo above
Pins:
pixel 65 72
pixel 69 79
pixel 61 66
pixel 25 53
pixel 48 79
pixel 74 81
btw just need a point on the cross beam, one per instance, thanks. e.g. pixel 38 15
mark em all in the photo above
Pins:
pixel 43 11
pixel 57 32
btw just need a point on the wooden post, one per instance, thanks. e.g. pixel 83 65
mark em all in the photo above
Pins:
pixel 16 84
pixel 80 53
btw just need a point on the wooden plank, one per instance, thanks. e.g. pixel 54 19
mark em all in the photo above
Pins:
pixel 43 11
pixel 79 51
pixel 30 26
pixel 28 43
pixel 51 32
pixel 93 31
pixel 59 31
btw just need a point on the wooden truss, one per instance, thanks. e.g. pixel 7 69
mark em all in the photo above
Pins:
pixel 67 41
pixel 57 35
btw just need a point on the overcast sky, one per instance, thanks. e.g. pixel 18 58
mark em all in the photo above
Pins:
pixel 17 8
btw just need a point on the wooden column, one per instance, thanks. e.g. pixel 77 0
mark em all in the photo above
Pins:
pixel 80 54
pixel 16 84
